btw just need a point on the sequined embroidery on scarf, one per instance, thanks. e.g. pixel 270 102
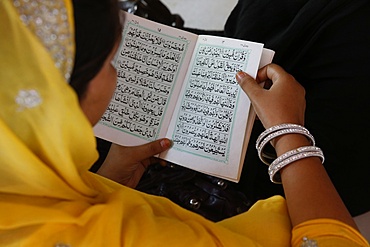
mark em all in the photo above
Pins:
pixel 28 99
pixel 49 21
pixel 309 243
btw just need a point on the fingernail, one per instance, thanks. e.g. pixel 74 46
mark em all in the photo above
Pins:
pixel 165 143
pixel 240 75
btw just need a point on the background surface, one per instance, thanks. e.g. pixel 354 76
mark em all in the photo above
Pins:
pixel 202 14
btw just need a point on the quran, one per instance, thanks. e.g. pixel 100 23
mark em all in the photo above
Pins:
pixel 175 84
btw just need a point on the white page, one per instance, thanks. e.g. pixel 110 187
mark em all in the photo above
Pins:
pixel 210 120
pixel 147 88
pixel 266 58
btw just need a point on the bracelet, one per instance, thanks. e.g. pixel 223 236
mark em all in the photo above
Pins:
pixel 275 128
pixel 290 157
pixel 275 131
pixel 294 152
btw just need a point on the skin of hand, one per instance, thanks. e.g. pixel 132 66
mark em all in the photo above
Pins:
pixel 284 102
pixel 308 189
pixel 126 165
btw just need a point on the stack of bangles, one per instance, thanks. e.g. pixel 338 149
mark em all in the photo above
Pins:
pixel 290 156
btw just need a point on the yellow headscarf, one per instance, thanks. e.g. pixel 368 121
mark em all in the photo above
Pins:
pixel 47 195
pixel 46 142
pixel 43 131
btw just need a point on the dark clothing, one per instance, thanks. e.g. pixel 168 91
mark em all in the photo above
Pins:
pixel 326 46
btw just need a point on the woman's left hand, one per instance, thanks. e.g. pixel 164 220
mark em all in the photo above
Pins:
pixel 126 165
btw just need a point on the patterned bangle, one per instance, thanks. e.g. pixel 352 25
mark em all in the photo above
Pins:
pixel 290 157
pixel 276 128
pixel 294 152
pixel 276 131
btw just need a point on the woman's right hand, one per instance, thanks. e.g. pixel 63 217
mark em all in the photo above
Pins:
pixel 284 102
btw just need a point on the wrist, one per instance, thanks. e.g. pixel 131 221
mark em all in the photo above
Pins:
pixel 292 142
pixel 270 135
pixel 288 142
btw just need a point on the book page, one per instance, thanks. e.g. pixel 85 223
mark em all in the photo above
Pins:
pixel 151 64
pixel 266 58
pixel 210 120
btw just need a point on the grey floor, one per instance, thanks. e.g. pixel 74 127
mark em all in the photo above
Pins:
pixel 203 14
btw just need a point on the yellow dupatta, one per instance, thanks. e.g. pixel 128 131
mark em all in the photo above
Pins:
pixel 47 195
pixel 44 133
pixel 43 130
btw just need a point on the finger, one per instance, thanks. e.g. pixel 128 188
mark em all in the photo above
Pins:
pixel 248 84
pixel 150 149
pixel 274 73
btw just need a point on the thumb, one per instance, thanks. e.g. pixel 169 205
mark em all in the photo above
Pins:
pixel 150 149
pixel 248 84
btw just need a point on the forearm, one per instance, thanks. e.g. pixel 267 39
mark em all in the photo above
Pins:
pixel 308 189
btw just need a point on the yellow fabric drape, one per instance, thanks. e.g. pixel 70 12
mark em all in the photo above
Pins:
pixel 40 145
pixel 47 195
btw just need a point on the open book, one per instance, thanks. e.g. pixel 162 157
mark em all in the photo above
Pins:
pixel 182 86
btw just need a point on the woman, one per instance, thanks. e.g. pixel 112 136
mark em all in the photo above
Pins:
pixel 48 197
pixel 323 44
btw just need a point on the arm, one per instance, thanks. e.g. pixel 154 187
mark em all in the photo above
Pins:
pixel 308 189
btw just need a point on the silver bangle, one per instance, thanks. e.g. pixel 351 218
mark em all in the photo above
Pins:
pixel 276 128
pixel 290 157
pixel 276 131
pixel 294 152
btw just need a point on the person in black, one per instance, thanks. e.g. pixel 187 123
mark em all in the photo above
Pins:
pixel 325 45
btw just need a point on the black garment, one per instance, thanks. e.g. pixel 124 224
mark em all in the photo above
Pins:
pixel 325 44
